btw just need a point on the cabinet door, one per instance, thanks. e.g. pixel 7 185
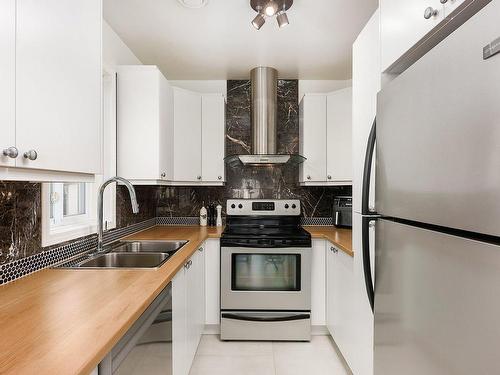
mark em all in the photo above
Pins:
pixel 403 25
pixel 366 83
pixel 187 136
pixel 58 84
pixel 331 284
pixel 213 137
pixel 339 136
pixel 7 78
pixel 451 5
pixel 313 137
pixel 180 323
pixel 212 282
pixel 318 283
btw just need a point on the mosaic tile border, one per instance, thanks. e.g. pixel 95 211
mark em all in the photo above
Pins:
pixel 185 220
pixel 321 221
pixel 47 258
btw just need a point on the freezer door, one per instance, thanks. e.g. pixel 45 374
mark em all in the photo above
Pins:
pixel 438 133
pixel 436 303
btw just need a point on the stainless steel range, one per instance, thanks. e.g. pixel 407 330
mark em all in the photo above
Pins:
pixel 265 272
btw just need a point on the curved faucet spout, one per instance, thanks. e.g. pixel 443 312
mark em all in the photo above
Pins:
pixel 100 205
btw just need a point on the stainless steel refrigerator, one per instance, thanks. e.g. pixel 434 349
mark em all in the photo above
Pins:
pixel 437 238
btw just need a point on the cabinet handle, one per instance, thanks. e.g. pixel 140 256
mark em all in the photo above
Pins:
pixel 430 12
pixel 308 177
pixel 329 177
pixel 31 155
pixel 11 152
pixel 219 177
pixel 198 177
pixel 163 175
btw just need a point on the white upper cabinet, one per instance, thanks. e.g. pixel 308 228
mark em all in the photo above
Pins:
pixel 8 82
pixel 326 138
pixel 404 23
pixel 187 136
pixel 451 5
pixel 58 85
pixel 145 125
pixel 312 125
pixel 168 135
pixel 339 136
pixel 213 127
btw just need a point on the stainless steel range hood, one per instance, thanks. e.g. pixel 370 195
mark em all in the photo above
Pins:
pixel 264 117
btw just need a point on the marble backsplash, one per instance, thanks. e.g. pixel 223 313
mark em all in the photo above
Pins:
pixel 20 205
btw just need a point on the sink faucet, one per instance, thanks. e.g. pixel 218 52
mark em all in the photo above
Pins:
pixel 100 208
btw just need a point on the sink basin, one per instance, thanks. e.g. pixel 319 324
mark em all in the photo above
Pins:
pixel 125 260
pixel 148 246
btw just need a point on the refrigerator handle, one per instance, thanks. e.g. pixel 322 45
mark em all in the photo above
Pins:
pixel 367 170
pixel 365 233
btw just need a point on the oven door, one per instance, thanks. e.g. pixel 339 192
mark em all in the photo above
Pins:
pixel 265 279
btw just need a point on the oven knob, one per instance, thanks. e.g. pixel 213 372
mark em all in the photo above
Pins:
pixel 240 206
pixel 233 206
pixel 294 206
pixel 286 206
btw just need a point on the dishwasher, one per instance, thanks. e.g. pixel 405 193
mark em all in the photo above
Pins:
pixel 146 348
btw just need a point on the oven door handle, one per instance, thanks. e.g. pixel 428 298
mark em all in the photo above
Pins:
pixel 285 318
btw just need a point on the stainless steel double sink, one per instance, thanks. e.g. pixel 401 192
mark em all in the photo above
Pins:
pixel 132 254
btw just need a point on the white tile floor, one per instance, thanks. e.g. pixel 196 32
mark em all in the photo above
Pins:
pixel 318 357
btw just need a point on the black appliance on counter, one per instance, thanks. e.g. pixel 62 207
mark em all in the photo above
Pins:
pixel 342 211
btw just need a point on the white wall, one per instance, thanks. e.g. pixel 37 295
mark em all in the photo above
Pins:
pixel 203 86
pixel 321 86
pixel 114 50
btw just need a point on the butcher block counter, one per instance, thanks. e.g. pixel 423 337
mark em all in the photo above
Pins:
pixel 64 321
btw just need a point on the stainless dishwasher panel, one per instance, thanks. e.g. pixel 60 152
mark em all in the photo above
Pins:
pixel 147 345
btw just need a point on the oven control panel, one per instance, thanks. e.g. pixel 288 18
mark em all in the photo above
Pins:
pixel 263 207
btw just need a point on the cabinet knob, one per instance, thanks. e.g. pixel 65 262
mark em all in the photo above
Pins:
pixel 198 177
pixel 443 1
pixel 200 249
pixel 308 177
pixel 30 155
pixel 219 177
pixel 163 175
pixel 430 12
pixel 11 152
pixel 329 177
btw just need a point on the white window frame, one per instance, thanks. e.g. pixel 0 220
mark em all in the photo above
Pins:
pixel 87 224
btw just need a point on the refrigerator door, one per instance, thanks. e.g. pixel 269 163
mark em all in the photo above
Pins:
pixel 436 303
pixel 438 133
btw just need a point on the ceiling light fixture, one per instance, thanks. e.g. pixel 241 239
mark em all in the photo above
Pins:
pixel 270 8
pixel 193 4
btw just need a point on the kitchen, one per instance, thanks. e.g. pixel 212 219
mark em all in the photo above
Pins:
pixel 251 186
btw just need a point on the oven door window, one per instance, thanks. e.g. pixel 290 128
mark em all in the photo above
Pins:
pixel 265 272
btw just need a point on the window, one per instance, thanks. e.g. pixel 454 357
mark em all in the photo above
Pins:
pixel 69 208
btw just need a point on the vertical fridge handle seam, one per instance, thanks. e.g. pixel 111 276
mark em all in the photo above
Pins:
pixel 367 169
pixel 365 231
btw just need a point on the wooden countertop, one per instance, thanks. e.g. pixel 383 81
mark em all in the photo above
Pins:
pixel 64 321
pixel 340 237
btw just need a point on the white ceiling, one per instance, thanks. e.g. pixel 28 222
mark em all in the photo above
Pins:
pixel 218 41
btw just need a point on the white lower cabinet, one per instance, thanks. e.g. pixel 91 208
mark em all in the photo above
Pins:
pixel 212 282
pixel 318 283
pixel 340 301
pixel 188 311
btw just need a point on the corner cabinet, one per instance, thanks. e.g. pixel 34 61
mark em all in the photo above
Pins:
pixel 325 123
pixel 50 107
pixel 188 311
pixel 145 104
pixel 168 135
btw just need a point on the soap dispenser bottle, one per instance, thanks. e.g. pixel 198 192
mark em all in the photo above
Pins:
pixel 203 215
